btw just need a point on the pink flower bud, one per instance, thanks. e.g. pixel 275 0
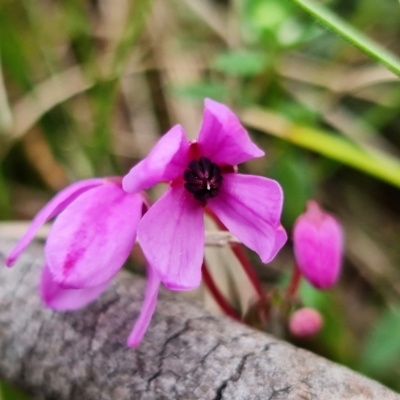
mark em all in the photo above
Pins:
pixel 305 323
pixel 318 246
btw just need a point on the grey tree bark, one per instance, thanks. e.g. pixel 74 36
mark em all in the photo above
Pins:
pixel 187 353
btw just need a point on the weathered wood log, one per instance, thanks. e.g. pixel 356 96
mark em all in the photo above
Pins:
pixel 187 353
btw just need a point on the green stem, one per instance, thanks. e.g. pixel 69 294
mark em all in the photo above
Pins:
pixel 294 283
pixel 351 34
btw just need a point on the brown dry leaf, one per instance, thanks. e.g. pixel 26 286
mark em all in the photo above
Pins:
pixel 51 92
pixel 40 156
pixel 6 118
pixel 335 77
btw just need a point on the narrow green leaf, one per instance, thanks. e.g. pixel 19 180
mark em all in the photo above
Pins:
pixel 351 34
pixel 340 149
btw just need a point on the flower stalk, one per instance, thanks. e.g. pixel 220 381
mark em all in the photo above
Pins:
pixel 217 295
pixel 294 283
pixel 241 256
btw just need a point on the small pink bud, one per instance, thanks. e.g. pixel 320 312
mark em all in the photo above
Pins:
pixel 318 246
pixel 305 323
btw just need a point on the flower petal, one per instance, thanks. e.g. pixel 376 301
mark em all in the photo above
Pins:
pixel 223 139
pixel 50 210
pixel 167 161
pixel 250 207
pixel 57 298
pixel 280 240
pixel 92 238
pixel 171 234
pixel 147 310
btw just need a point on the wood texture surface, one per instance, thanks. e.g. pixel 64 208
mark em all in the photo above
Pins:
pixel 187 353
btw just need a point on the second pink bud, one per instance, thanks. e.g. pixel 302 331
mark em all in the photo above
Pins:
pixel 318 246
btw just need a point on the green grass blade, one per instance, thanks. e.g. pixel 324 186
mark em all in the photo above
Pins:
pixel 351 34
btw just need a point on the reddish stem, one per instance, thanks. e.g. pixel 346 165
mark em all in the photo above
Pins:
pixel 218 296
pixel 240 254
pixel 248 269
pixel 294 282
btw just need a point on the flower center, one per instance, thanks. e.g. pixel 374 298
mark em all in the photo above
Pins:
pixel 203 178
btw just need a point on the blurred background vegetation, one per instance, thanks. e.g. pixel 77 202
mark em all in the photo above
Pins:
pixel 87 88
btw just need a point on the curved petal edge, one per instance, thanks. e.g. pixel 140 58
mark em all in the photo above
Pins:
pixel 166 161
pixel 222 137
pixel 92 238
pixel 60 299
pixel 147 310
pixel 50 210
pixel 250 207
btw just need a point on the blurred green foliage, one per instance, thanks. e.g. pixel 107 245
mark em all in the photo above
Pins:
pixel 245 64
pixel 10 392
pixel 86 86
pixel 381 353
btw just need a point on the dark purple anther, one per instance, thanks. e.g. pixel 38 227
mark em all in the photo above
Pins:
pixel 203 178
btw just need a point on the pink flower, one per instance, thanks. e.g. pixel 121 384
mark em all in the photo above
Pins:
pixel 318 246
pixel 305 323
pixel 88 242
pixel 202 173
